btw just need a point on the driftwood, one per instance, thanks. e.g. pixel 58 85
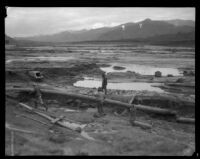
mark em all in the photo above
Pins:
pixel 72 126
pixel 107 101
pixel 185 120
pixel 142 124
pixel 25 116
pixel 181 84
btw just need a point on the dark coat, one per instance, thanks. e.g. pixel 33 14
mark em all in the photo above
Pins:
pixel 104 82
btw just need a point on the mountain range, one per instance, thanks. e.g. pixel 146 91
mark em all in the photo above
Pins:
pixel 145 29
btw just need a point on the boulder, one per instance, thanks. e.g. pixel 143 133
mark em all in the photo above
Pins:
pixel 158 74
pixel 180 80
pixel 188 73
pixel 170 75
pixel 118 68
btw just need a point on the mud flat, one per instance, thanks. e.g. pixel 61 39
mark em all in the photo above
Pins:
pixel 113 134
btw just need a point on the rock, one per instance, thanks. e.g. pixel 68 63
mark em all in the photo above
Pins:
pixel 78 101
pixel 57 138
pixel 170 75
pixel 158 74
pixel 180 80
pixel 68 152
pixel 188 73
pixel 78 129
pixel 82 153
pixel 85 105
pixel 118 68
pixel 52 102
pixel 188 152
pixel 69 101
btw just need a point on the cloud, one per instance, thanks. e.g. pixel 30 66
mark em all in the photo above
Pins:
pixel 29 21
pixel 98 25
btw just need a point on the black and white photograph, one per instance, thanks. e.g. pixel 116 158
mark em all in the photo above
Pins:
pixel 100 81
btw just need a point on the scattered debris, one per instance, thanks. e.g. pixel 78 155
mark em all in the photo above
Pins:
pixel 142 124
pixel 28 117
pixel 188 73
pixel 72 126
pixel 107 101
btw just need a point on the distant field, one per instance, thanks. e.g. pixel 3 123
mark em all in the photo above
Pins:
pixel 133 53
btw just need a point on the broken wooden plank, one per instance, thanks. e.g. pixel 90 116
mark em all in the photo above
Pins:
pixel 185 120
pixel 107 101
pixel 132 99
pixel 72 126
pixel 57 119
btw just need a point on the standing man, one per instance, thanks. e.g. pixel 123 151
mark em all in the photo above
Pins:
pixel 38 95
pixel 132 115
pixel 101 95
pixel 104 83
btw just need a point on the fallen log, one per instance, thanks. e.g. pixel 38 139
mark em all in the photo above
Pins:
pixel 181 84
pixel 16 102
pixel 72 126
pixel 94 99
pixel 185 120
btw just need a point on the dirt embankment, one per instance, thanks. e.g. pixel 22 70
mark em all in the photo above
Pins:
pixel 182 104
pixel 53 73
pixel 113 134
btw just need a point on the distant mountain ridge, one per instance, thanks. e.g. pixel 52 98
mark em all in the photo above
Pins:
pixel 9 40
pixel 143 29
pixel 179 22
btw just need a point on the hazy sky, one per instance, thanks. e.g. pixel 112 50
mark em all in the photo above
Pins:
pixel 33 21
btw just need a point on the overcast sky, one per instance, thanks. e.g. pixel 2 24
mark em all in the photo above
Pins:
pixel 34 21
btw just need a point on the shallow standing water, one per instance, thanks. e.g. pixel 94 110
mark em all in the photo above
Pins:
pixel 138 86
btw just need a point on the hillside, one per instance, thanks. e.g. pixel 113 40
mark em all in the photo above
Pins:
pixel 144 29
pixel 179 22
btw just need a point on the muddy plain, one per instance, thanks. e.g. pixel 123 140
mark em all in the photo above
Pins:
pixel 77 68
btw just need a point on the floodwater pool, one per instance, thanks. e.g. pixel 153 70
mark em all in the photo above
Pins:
pixel 138 86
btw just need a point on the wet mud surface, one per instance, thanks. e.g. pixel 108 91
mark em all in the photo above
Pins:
pixel 111 134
